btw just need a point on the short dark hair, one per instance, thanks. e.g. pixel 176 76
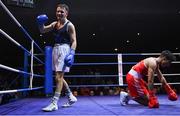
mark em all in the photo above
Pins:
pixel 168 55
pixel 63 6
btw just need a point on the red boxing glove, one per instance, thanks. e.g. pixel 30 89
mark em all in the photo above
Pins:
pixel 171 94
pixel 153 101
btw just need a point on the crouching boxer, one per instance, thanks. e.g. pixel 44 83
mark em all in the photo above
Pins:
pixel 143 92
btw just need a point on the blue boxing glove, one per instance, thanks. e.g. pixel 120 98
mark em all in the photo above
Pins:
pixel 41 19
pixel 69 59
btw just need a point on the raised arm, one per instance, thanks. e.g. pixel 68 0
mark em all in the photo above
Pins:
pixel 41 20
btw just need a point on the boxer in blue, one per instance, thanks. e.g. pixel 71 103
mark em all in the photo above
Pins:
pixel 63 51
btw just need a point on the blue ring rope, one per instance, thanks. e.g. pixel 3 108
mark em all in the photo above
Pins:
pixel 85 76
pixel 104 63
pixel 19 25
pixel 115 54
pixel 123 54
pixel 19 45
pixel 103 54
pixel 18 71
pixel 100 75
pixel 109 85
pixel 20 90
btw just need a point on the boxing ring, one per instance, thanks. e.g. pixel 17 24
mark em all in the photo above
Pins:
pixel 91 70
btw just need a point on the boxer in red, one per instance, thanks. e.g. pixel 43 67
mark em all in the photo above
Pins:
pixel 142 92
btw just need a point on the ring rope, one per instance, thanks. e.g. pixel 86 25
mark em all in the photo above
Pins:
pixel 18 71
pixel 20 90
pixel 104 63
pixel 91 76
pixel 115 54
pixel 115 85
pixel 32 51
pixel 109 85
pixel 19 25
pixel 19 45
pixel 81 76
pixel 111 63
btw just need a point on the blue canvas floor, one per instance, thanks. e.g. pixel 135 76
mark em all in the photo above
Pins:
pixel 90 105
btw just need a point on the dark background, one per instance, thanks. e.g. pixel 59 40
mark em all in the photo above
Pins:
pixel 131 26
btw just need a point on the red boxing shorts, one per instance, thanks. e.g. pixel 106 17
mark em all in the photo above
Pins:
pixel 136 85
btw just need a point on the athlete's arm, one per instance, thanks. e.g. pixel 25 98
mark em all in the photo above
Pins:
pixel 160 76
pixel 151 70
pixel 47 28
pixel 72 33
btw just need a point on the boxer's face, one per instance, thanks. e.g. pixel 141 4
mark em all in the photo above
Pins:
pixel 61 13
pixel 165 63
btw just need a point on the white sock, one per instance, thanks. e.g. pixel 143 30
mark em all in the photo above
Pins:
pixel 56 97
